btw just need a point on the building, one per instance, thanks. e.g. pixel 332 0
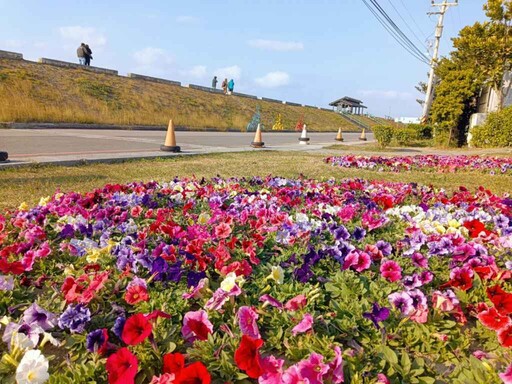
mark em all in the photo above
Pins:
pixel 408 120
pixel 348 105
pixel 488 99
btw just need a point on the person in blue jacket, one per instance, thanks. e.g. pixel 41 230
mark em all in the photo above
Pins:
pixel 231 86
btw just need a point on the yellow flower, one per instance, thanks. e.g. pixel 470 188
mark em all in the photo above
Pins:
pixel 277 274
pixel 454 223
pixel 93 255
pixel 23 206
pixel 440 228
pixel 69 270
pixel 229 282
pixel 43 201
pixel 203 218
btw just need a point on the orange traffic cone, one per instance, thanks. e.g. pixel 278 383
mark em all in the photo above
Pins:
pixel 363 135
pixel 304 139
pixel 257 143
pixel 339 136
pixel 170 140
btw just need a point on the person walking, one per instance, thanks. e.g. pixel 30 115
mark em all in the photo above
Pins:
pixel 231 86
pixel 88 55
pixel 214 82
pixel 81 52
pixel 225 85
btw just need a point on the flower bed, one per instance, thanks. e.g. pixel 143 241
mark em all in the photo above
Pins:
pixel 270 280
pixel 425 163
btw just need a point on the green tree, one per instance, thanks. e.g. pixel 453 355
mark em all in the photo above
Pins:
pixel 487 47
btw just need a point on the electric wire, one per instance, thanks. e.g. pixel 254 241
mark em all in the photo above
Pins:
pixel 394 34
pixel 407 25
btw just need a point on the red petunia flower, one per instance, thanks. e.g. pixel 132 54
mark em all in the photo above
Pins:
pixel 174 363
pixel 135 294
pixel 136 329
pixel 505 336
pixel 493 320
pixel 122 367
pixel 503 303
pixel 247 357
pixel 195 373
pixel 475 228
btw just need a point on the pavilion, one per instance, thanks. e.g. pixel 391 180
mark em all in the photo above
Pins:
pixel 349 105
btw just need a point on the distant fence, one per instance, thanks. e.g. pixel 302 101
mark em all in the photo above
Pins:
pixel 153 79
pixel 11 55
pixel 66 64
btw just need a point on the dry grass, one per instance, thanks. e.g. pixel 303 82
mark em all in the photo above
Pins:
pixel 29 184
pixel 31 92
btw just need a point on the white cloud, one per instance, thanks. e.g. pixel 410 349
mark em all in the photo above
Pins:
pixel 150 56
pixel 79 34
pixel 187 19
pixel 276 45
pixel 389 95
pixel 273 79
pixel 197 71
pixel 234 72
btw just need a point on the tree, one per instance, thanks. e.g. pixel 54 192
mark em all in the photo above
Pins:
pixel 487 47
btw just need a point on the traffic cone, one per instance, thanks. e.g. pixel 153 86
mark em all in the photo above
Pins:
pixel 304 139
pixel 363 135
pixel 170 140
pixel 339 136
pixel 257 143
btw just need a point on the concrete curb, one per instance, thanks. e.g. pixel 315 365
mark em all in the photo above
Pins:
pixel 133 127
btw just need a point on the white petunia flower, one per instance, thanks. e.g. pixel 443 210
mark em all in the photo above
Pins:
pixel 33 368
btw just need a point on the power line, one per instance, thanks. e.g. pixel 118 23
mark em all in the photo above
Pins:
pixel 407 24
pixel 395 32
pixel 403 36
pixel 414 20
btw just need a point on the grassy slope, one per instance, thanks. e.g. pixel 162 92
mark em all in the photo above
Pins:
pixel 29 184
pixel 31 92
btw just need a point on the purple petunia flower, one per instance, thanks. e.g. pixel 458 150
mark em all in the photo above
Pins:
pixel 266 298
pixel 384 247
pixel 6 283
pixel 377 314
pixel 358 234
pixel 75 318
pixel 402 301
pixel 118 326
pixel 96 340
pixel 35 315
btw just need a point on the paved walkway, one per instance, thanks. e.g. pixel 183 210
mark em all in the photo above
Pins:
pixel 68 146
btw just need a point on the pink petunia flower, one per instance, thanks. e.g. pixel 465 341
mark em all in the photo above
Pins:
pixel 266 298
pixel 507 375
pixel 247 321
pixel 196 326
pixel 391 271
pixel 313 369
pixel 296 303
pixel 305 325
pixel 223 230
pixel 335 373
pixel 272 370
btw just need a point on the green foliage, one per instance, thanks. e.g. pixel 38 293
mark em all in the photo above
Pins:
pixel 97 90
pixel 383 134
pixel 496 131
pixel 423 132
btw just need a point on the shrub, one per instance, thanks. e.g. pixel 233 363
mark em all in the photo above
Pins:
pixel 405 135
pixel 423 132
pixel 383 134
pixel 496 131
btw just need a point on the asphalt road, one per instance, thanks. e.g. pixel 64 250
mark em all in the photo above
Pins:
pixel 50 145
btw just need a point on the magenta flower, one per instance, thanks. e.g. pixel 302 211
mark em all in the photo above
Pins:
pixel 507 375
pixel 296 303
pixel 382 379
pixel 335 373
pixel 305 325
pixel 391 271
pixel 313 369
pixel 272 370
pixel 196 292
pixel 266 298
pixel 358 261
pixel 220 297
pixel 247 320
pixel 419 260
pixel 196 326
pixel 223 230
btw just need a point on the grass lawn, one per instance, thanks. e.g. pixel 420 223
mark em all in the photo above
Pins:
pixel 31 183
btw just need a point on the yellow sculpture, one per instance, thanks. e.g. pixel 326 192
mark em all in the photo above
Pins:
pixel 278 125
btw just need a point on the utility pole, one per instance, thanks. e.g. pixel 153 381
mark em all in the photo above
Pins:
pixel 429 96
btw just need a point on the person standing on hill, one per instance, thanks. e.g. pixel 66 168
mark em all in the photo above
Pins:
pixel 88 55
pixel 231 86
pixel 214 82
pixel 225 86
pixel 81 52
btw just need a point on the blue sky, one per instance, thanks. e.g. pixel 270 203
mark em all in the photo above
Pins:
pixel 307 51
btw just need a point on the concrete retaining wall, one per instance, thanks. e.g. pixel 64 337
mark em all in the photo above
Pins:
pixel 11 55
pixel 65 64
pixel 290 103
pixel 245 95
pixel 153 79
pixel 205 89
pixel 271 100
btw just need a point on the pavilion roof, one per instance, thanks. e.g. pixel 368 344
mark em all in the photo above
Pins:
pixel 348 101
